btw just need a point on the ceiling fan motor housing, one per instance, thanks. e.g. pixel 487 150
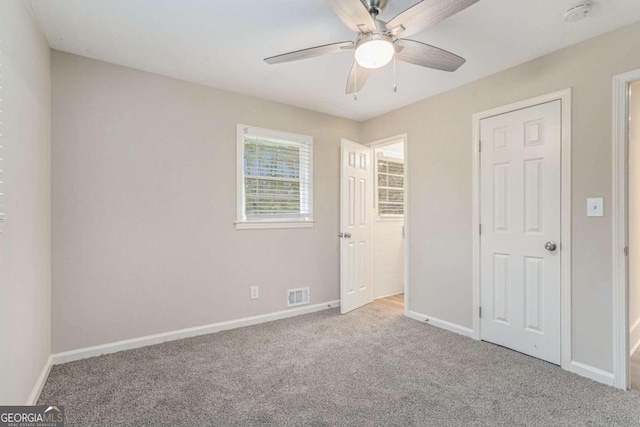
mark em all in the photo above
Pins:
pixel 375 7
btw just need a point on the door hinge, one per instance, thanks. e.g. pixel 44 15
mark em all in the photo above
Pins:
pixel 626 251
pixel 479 311
pixel 480 229
pixel 479 146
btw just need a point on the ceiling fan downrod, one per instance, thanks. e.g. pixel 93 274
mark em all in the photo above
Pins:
pixel 375 7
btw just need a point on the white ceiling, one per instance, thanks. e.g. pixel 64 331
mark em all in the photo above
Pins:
pixel 221 43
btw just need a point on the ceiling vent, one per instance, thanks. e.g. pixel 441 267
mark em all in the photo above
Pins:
pixel 578 11
pixel 298 296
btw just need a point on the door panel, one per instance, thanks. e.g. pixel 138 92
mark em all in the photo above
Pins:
pixel 501 288
pixel 520 212
pixel 356 192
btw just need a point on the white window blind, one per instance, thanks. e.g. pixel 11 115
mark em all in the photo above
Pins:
pixel 276 176
pixel 390 182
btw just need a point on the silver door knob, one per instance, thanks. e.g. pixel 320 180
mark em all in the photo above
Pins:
pixel 550 246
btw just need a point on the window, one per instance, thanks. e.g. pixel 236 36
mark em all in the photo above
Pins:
pixel 274 179
pixel 390 186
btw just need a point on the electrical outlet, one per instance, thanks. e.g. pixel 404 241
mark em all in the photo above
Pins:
pixel 255 292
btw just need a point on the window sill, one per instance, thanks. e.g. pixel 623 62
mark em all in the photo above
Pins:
pixel 266 225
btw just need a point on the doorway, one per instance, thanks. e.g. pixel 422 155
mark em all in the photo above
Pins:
pixel 522 225
pixel 388 224
pixel 633 261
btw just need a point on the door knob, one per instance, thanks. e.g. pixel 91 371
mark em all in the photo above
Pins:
pixel 550 246
pixel 344 235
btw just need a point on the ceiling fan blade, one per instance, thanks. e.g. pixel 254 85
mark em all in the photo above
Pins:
pixel 425 14
pixel 427 56
pixel 310 52
pixel 357 78
pixel 354 15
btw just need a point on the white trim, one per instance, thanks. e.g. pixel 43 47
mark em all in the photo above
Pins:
pixel 404 137
pixel 565 281
pixel 634 337
pixel 442 324
pixel 389 141
pixel 242 223
pixel 40 382
pixel 592 373
pixel 278 134
pixel 619 219
pixel 97 350
pixel 265 225
pixel 407 300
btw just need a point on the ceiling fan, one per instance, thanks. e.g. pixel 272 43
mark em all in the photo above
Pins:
pixel 379 42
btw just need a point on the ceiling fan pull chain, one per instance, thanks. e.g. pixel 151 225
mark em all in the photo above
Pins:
pixel 395 86
pixel 355 83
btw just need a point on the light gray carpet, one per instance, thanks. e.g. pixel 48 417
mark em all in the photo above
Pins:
pixel 371 367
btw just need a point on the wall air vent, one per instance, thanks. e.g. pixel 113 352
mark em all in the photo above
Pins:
pixel 299 296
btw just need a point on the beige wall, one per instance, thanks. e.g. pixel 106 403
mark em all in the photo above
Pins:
pixel 25 240
pixel 439 159
pixel 144 204
pixel 634 216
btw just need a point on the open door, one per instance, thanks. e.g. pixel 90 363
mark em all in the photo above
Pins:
pixel 355 227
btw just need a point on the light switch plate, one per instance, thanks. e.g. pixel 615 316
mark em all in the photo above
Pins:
pixel 595 206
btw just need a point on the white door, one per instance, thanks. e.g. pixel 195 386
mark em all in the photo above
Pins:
pixel 520 224
pixel 355 227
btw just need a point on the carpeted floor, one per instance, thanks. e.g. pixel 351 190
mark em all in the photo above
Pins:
pixel 372 367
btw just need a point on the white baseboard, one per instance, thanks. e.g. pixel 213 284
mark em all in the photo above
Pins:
pixel 443 324
pixel 97 350
pixel 37 388
pixel 592 373
pixel 634 337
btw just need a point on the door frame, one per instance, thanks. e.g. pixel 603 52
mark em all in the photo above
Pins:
pixel 381 143
pixel 620 157
pixel 565 208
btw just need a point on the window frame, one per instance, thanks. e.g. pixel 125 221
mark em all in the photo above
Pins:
pixel 244 223
pixel 391 158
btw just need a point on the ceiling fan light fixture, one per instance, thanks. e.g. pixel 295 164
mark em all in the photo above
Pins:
pixel 374 51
